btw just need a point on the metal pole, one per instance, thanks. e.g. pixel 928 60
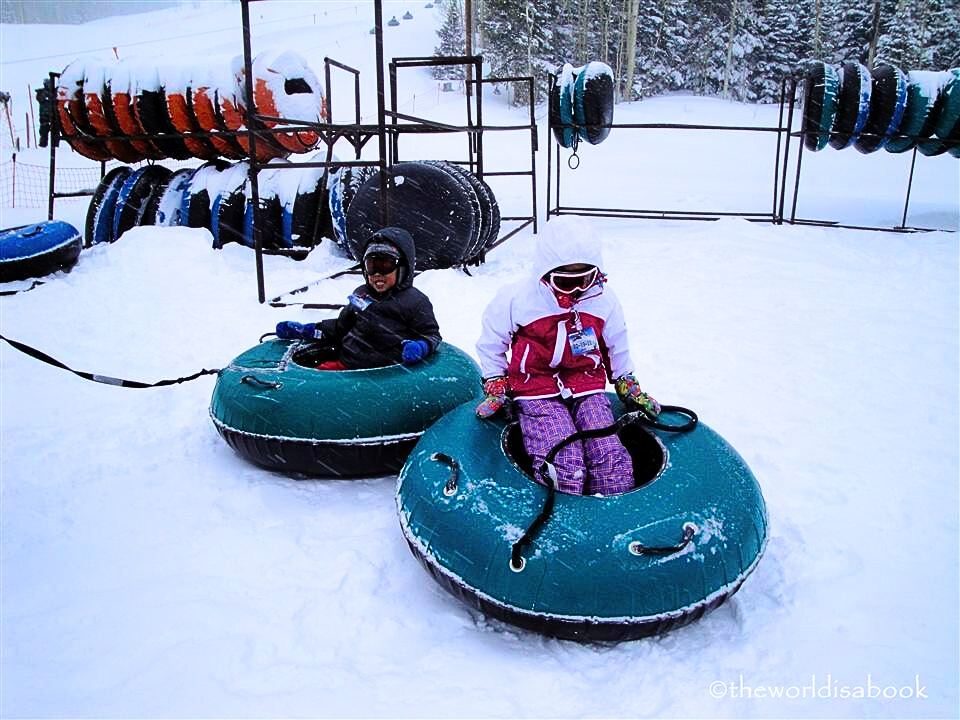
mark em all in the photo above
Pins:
pixel 381 114
pixel 252 168
pixel 550 83
pixel 786 150
pixel 54 140
pixel 906 202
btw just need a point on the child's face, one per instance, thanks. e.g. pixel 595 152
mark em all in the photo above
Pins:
pixel 382 283
pixel 381 272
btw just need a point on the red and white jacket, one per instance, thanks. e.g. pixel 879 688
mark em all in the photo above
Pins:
pixel 531 339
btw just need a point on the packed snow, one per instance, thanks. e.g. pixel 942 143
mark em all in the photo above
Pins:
pixel 147 571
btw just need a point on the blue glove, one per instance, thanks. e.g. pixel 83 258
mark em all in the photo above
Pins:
pixel 414 351
pixel 289 330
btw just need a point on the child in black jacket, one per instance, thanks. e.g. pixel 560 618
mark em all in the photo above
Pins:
pixel 387 321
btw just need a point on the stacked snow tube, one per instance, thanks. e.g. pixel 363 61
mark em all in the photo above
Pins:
pixel 821 83
pixel 451 214
pixel 581 104
pixel 132 111
pixel 278 412
pixel 293 218
pixel 883 109
pixel 37 250
pixel 609 568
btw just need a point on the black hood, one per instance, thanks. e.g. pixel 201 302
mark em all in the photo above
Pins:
pixel 408 252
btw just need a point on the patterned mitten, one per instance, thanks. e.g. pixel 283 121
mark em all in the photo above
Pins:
pixel 495 389
pixel 629 392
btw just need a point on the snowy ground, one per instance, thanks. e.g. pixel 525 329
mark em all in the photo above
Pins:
pixel 147 571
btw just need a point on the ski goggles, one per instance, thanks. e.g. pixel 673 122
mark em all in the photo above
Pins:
pixel 566 283
pixel 380 264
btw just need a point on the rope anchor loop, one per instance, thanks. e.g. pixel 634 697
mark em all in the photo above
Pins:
pixel 450 488
pixel 254 380
pixel 689 530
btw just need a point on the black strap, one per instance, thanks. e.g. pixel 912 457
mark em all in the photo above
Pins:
pixel 548 472
pixel 36 284
pixel 106 380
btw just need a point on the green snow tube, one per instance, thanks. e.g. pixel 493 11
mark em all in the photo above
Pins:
pixel 924 88
pixel 888 100
pixel 593 101
pixel 821 85
pixel 608 568
pixel 561 108
pixel 276 410
pixel 948 124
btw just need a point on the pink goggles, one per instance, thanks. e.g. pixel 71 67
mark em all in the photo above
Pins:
pixel 566 283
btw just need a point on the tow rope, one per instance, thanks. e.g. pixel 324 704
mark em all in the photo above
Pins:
pixel 106 380
pixel 548 471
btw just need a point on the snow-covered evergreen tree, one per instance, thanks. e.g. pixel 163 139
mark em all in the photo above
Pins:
pixel 452 42
pixel 515 38
pixel 943 49
pixel 662 37
pixel 740 48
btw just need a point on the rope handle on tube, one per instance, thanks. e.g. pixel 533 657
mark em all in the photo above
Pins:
pixel 548 471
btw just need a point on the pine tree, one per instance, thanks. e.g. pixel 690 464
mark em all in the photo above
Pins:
pixel 516 40
pixel 943 49
pixel 452 43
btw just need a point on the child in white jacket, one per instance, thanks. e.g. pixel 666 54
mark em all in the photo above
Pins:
pixel 566 337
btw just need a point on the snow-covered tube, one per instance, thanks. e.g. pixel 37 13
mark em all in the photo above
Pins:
pixel 344 184
pixel 277 411
pixel 821 83
pixel 121 84
pixel 924 95
pixel 37 250
pixel 888 99
pixel 179 98
pixel 853 104
pixel 134 197
pixel 593 101
pixel 98 104
pixel 150 109
pixel 561 107
pixel 71 114
pixel 284 86
pixel 947 127
pixel 608 568
pixel 204 101
pixel 99 224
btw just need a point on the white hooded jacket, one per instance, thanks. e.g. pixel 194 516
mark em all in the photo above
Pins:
pixel 529 337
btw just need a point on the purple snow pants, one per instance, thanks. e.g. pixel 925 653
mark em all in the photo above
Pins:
pixel 594 466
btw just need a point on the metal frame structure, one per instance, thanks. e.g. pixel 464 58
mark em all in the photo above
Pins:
pixel 387 135
pixel 662 214
pixel 792 84
pixel 785 135
pixel 356 133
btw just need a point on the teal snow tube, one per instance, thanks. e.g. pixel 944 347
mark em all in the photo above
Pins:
pixel 853 105
pixel 948 123
pixel 821 84
pixel 924 89
pixel 276 410
pixel 888 99
pixel 608 568
pixel 593 101
pixel 561 108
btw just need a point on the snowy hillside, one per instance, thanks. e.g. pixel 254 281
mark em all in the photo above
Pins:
pixel 147 571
